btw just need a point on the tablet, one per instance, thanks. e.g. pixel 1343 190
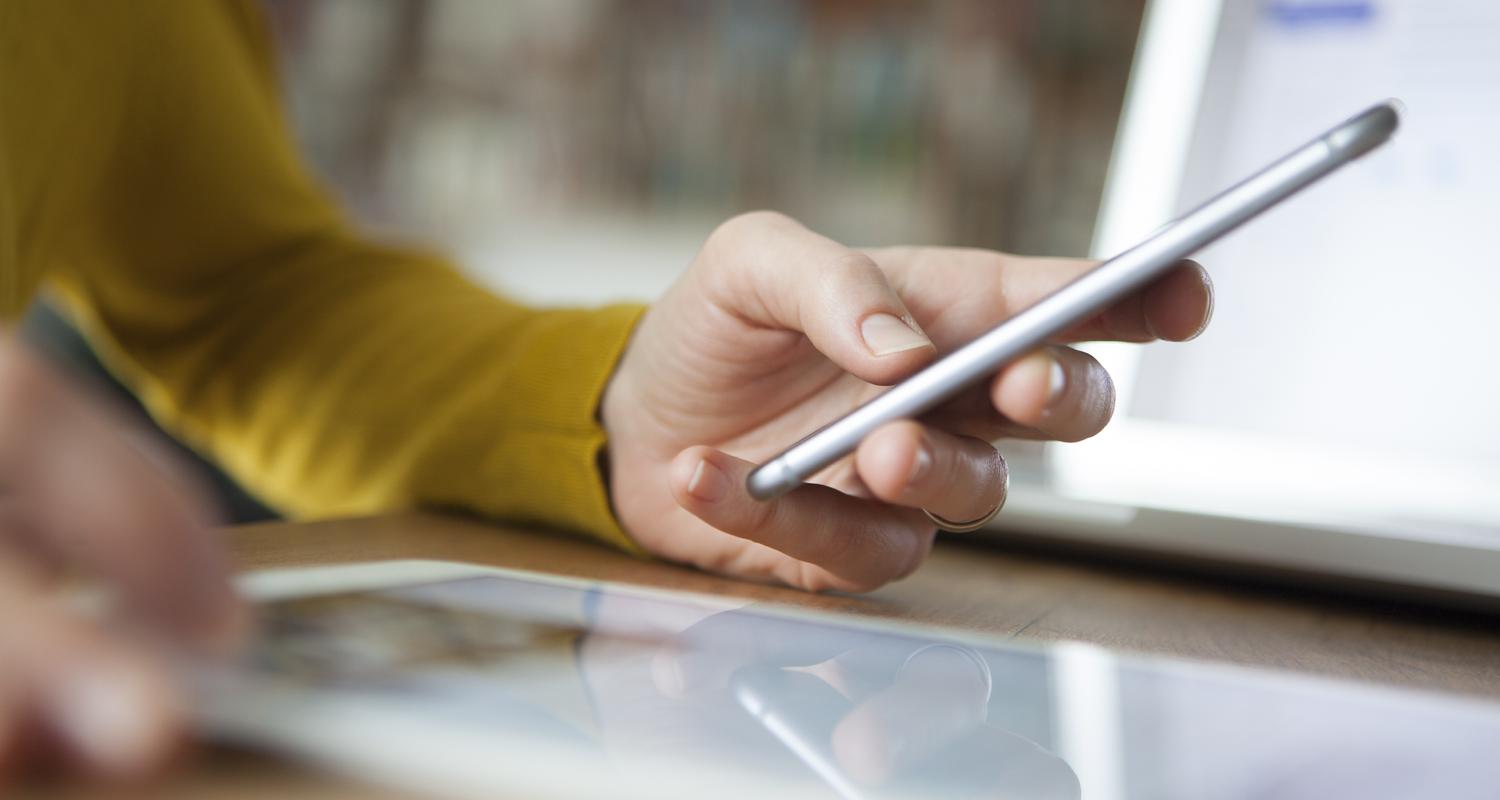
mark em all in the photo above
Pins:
pixel 462 681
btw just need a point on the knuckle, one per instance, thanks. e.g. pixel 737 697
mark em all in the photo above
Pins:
pixel 851 265
pixel 733 231
pixel 727 262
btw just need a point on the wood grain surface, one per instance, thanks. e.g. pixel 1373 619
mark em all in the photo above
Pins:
pixel 986 588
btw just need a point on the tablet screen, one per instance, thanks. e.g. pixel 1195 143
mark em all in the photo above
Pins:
pixel 483 684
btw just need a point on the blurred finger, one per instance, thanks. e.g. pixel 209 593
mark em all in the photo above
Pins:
pixel 1058 392
pixel 992 762
pixel 940 696
pixel 705 655
pixel 958 293
pixel 111 710
pixel 842 542
pixel 955 477
pixel 89 499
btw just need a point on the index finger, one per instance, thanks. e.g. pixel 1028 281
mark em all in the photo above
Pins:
pixel 959 293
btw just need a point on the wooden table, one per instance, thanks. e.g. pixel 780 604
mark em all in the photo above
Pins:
pixel 965 584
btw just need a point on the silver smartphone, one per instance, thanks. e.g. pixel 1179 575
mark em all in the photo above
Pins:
pixel 1078 299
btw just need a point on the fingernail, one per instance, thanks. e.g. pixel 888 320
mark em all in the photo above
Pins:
pixel 885 334
pixel 709 483
pixel 920 463
pixel 1056 380
pixel 107 717
pixel 1208 313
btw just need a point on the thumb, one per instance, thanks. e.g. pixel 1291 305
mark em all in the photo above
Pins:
pixel 779 274
pixel 854 545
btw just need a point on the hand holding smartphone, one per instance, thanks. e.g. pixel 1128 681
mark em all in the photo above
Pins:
pixel 1075 301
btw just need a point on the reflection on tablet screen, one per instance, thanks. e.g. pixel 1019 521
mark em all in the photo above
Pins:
pixel 499 683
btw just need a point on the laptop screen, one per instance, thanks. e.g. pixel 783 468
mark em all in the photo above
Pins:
pixel 1353 349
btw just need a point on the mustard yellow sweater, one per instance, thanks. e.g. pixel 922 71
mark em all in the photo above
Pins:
pixel 148 178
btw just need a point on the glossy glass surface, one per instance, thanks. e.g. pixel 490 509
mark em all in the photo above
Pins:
pixel 497 684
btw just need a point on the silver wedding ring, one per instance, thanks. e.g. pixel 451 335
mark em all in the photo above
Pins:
pixel 963 527
pixel 973 524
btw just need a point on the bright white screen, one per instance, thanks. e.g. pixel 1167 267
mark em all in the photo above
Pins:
pixel 1363 313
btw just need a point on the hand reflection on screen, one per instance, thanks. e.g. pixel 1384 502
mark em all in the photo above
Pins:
pixel 872 714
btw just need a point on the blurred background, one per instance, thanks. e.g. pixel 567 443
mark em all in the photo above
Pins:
pixel 551 140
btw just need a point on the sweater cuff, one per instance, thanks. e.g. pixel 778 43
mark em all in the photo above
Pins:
pixel 550 468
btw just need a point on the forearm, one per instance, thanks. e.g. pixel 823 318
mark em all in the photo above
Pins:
pixel 340 377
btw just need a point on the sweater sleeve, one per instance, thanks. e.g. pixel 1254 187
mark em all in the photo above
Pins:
pixel 330 374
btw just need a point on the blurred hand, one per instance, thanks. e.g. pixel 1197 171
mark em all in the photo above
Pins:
pixel 77 498
pixel 875 714
pixel 774 331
